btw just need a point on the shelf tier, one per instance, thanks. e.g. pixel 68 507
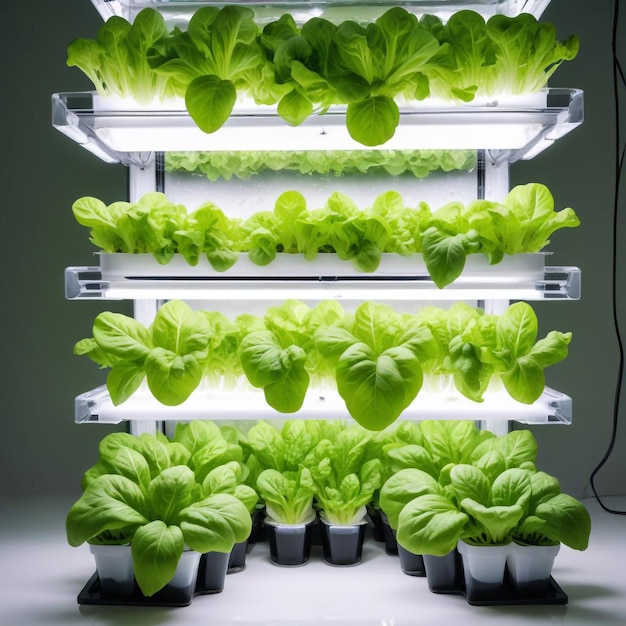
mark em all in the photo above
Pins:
pixel 556 283
pixel 178 12
pixel 246 403
pixel 511 129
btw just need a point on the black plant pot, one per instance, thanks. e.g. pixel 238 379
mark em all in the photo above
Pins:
pixel 290 544
pixel 411 564
pixel 212 572
pixel 389 535
pixel 343 545
pixel 258 532
pixel 237 558
pixel 376 523
pixel 444 573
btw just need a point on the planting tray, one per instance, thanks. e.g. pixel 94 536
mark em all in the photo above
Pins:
pixel 91 593
pixel 508 596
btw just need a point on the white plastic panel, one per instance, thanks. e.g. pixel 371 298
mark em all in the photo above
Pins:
pixel 247 403
pixel 478 282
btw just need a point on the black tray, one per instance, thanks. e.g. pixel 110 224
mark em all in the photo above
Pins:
pixel 91 593
pixel 508 596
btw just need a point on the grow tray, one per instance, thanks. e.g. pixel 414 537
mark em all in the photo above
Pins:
pixel 508 596
pixel 91 594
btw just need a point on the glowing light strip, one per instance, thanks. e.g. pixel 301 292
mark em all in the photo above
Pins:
pixel 249 404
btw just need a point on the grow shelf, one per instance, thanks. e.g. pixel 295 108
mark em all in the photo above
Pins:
pixel 178 12
pixel 247 403
pixel 510 129
pixel 554 283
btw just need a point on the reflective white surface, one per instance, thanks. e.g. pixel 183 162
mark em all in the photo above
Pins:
pixel 41 576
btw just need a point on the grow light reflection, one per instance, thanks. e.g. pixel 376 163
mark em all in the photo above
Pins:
pixel 127 136
pixel 240 401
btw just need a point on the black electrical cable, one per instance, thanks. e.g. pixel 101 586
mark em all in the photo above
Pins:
pixel 619 162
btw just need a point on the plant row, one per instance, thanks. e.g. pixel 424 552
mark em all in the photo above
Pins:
pixel 371 68
pixel 248 163
pixel 437 481
pixel 522 223
pixel 377 358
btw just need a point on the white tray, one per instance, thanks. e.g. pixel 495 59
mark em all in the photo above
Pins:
pixel 521 268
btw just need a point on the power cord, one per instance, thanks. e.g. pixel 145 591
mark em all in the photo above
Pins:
pixel 618 76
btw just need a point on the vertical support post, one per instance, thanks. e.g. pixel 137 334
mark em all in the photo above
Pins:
pixel 141 180
pixel 495 186
pixel 496 178
pixel 141 177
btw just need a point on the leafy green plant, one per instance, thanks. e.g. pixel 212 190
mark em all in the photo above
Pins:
pixel 218 54
pixel 553 517
pixel 159 509
pixel 168 355
pixel 378 369
pixel 344 479
pixel 116 61
pixel 247 164
pixel 288 495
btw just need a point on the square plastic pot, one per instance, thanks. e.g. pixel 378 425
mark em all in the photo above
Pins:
pixel 483 570
pixel 290 544
pixel 237 558
pixel 182 587
pixel 343 544
pixel 389 535
pixel 530 568
pixel 376 523
pixel 444 574
pixel 212 572
pixel 114 565
pixel 411 564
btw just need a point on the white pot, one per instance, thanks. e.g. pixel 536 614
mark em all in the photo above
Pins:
pixel 486 564
pixel 186 571
pixel 530 567
pixel 114 565
pixel 483 570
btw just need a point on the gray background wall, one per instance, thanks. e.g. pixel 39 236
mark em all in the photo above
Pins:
pixel 42 173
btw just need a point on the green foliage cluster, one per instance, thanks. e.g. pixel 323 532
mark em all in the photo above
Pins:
pixel 378 358
pixel 372 68
pixel 436 481
pixel 457 482
pixel 161 495
pixel 246 164
pixel 522 223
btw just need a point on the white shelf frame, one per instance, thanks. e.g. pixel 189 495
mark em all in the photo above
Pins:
pixel 510 130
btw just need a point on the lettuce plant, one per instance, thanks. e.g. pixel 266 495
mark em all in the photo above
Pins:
pixel 116 61
pixel 288 495
pixel 344 479
pixel 247 164
pixel 553 517
pixel 158 512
